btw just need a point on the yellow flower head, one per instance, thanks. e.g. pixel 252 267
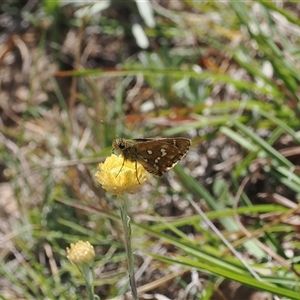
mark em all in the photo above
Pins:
pixel 117 178
pixel 81 252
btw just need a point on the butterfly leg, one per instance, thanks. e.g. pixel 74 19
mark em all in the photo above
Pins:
pixel 121 168
pixel 136 172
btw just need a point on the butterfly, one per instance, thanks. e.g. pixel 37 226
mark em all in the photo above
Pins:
pixel 156 155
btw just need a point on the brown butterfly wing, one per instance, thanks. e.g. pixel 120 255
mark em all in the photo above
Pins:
pixel 160 155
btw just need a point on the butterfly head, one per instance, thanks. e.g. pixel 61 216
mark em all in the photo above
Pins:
pixel 119 144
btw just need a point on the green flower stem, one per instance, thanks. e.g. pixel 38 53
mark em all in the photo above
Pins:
pixel 127 238
pixel 88 275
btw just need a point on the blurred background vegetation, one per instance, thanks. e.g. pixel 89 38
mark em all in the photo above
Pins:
pixel 225 74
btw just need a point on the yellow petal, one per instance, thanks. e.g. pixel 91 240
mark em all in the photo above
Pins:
pixel 118 176
pixel 81 252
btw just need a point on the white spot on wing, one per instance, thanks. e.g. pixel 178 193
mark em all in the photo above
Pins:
pixel 163 152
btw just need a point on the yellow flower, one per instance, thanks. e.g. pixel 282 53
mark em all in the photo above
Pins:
pixel 81 252
pixel 117 178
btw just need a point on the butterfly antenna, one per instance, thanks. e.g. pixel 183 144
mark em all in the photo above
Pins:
pixel 109 129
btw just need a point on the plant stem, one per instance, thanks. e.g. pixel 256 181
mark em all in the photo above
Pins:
pixel 88 275
pixel 127 238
